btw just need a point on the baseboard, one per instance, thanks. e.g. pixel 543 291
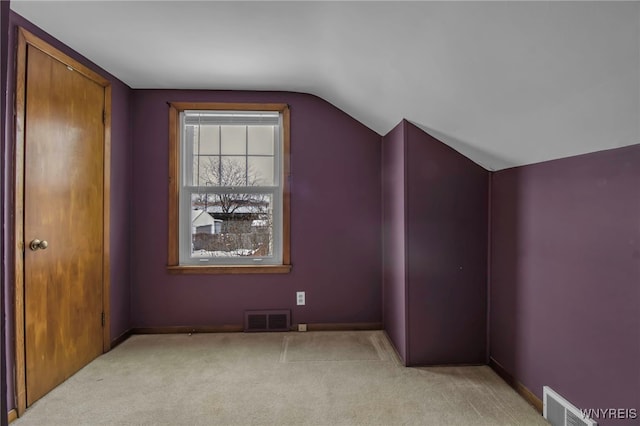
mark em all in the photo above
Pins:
pixel 399 359
pixel 521 389
pixel 233 328
pixel 12 416
pixel 446 364
pixel 118 340
pixel 347 326
pixel 180 329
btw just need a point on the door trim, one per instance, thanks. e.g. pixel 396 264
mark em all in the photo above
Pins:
pixel 25 38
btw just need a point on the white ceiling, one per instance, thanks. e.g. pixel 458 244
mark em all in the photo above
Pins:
pixel 505 83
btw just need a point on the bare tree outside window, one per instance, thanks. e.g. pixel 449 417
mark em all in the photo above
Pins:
pixel 245 219
pixel 228 173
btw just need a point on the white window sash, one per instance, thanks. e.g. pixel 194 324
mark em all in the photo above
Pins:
pixel 186 193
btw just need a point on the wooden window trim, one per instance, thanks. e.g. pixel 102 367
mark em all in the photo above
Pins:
pixel 231 270
pixel 173 255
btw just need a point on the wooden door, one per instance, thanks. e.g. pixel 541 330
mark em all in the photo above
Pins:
pixel 64 139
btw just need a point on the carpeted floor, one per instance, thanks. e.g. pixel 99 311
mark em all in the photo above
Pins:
pixel 313 378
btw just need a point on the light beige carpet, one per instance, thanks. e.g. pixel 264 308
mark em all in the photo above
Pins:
pixel 313 378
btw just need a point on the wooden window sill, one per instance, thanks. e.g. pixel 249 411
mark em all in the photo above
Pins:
pixel 236 269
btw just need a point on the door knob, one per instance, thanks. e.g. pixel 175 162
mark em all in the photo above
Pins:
pixel 37 244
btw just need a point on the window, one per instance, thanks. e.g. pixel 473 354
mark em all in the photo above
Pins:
pixel 228 188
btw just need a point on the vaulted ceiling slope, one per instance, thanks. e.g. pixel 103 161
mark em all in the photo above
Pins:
pixel 505 83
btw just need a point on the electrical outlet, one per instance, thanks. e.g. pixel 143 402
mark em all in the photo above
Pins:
pixel 302 327
pixel 300 299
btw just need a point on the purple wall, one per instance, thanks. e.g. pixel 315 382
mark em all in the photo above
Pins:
pixel 436 207
pixel 335 222
pixel 447 208
pixel 121 193
pixel 121 168
pixel 565 284
pixel 394 238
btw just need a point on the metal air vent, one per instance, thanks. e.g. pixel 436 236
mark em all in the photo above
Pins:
pixel 560 412
pixel 274 320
